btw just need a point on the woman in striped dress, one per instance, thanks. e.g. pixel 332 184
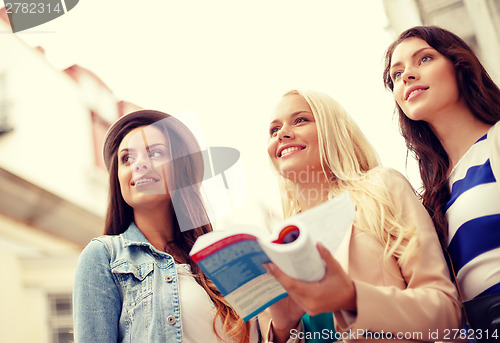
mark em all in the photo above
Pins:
pixel 449 109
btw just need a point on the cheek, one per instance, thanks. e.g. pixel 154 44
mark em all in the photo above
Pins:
pixel 165 174
pixel 453 86
pixel 271 151
pixel 398 97
pixel 271 148
pixel 123 177
pixel 397 92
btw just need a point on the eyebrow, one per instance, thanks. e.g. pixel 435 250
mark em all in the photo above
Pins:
pixel 412 56
pixel 157 144
pixel 124 150
pixel 147 148
pixel 294 114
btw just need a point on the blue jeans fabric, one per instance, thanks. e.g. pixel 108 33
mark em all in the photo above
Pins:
pixel 126 291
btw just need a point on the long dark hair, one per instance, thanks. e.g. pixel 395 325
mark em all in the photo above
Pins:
pixel 481 95
pixel 186 169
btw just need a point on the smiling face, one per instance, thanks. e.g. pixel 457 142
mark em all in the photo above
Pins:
pixel 425 84
pixel 293 143
pixel 142 173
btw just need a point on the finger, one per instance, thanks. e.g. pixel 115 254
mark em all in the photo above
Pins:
pixel 324 252
pixel 272 269
pixel 282 278
pixel 330 261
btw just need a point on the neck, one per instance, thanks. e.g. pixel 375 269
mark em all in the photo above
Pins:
pixel 311 194
pixel 458 132
pixel 156 226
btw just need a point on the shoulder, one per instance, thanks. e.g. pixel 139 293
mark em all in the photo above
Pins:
pixel 390 174
pixel 494 141
pixel 106 240
pixel 495 130
pixel 400 194
pixel 494 137
pixel 99 248
pixel 392 179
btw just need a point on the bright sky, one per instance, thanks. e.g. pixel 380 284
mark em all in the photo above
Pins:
pixel 230 61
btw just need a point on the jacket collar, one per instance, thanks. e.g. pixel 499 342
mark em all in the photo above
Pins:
pixel 134 236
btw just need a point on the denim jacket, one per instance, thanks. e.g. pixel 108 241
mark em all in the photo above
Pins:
pixel 126 291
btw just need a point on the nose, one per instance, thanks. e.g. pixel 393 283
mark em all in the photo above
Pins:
pixel 410 74
pixel 142 163
pixel 137 166
pixel 285 133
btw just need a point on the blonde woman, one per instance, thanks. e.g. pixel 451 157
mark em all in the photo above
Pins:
pixel 392 281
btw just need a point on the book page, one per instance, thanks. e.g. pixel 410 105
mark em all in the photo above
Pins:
pixel 235 266
pixel 299 259
pixel 234 259
pixel 327 223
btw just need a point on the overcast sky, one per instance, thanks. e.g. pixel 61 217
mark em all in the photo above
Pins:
pixel 230 61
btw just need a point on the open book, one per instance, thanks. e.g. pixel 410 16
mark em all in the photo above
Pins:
pixel 234 259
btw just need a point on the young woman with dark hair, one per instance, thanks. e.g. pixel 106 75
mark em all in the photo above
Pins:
pixel 449 109
pixel 137 283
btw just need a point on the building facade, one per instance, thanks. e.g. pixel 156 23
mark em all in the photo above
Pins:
pixel 477 22
pixel 53 186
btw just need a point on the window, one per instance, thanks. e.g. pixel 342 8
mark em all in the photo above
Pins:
pixel 61 318
pixel 99 128
pixel 494 7
pixel 4 105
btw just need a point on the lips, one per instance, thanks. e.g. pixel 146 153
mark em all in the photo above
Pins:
pixel 144 180
pixel 414 90
pixel 289 149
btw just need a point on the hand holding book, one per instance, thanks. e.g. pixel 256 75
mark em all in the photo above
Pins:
pixel 234 259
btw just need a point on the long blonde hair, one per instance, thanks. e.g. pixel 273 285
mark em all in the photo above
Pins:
pixel 345 151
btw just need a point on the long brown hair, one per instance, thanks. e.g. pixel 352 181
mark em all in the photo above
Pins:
pixel 481 95
pixel 187 169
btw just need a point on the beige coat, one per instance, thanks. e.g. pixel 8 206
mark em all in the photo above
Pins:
pixel 415 299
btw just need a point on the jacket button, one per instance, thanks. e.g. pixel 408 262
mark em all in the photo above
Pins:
pixel 168 278
pixel 171 320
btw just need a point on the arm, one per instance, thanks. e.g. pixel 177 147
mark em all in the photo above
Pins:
pixel 429 301
pixel 494 136
pixel 316 297
pixel 270 334
pixel 96 297
pixel 283 317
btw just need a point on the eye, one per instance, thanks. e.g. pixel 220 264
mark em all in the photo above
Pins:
pixel 155 153
pixel 425 59
pixel 396 75
pixel 301 120
pixel 273 130
pixel 126 159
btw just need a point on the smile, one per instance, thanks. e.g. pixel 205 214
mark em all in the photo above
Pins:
pixel 289 151
pixel 415 92
pixel 145 180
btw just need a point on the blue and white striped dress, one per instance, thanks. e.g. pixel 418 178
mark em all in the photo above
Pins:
pixel 473 214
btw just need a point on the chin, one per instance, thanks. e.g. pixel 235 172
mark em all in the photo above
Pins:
pixel 147 199
pixel 291 174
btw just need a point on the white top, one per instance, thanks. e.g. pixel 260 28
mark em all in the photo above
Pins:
pixel 473 214
pixel 198 311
